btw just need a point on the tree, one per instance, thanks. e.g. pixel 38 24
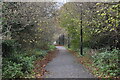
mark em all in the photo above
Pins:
pixel 30 24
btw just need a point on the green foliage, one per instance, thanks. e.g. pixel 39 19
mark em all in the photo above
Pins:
pixel 21 63
pixel 12 70
pixel 85 50
pixel 17 62
pixel 29 31
pixel 40 53
pixel 27 64
pixel 9 46
pixel 17 65
pixel 51 47
pixel 107 62
pixel 27 23
pixel 99 22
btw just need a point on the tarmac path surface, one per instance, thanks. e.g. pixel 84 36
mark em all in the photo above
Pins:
pixel 64 65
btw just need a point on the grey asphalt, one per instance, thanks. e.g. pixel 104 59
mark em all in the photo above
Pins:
pixel 64 65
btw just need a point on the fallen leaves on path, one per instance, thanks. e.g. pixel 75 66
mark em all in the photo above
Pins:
pixel 87 63
pixel 41 64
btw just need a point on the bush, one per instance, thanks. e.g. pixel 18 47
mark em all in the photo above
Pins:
pixel 12 70
pixel 27 64
pixel 16 57
pixel 9 47
pixel 107 62
pixel 17 65
pixel 40 53
pixel 51 47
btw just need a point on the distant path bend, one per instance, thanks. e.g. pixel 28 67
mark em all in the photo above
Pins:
pixel 64 65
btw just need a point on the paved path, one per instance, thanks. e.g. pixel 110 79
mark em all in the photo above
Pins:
pixel 64 65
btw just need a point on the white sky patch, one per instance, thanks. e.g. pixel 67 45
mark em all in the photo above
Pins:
pixel 63 1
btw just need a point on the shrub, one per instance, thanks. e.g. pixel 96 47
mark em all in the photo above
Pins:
pixel 9 47
pixel 85 50
pixel 16 57
pixel 40 53
pixel 27 64
pixel 12 70
pixel 51 47
pixel 17 65
pixel 107 62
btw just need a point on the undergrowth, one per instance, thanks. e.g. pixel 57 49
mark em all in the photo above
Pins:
pixel 20 64
pixel 107 63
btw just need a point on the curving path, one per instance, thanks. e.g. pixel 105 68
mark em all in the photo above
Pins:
pixel 64 65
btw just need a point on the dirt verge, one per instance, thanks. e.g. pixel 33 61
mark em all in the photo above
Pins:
pixel 40 64
pixel 86 61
